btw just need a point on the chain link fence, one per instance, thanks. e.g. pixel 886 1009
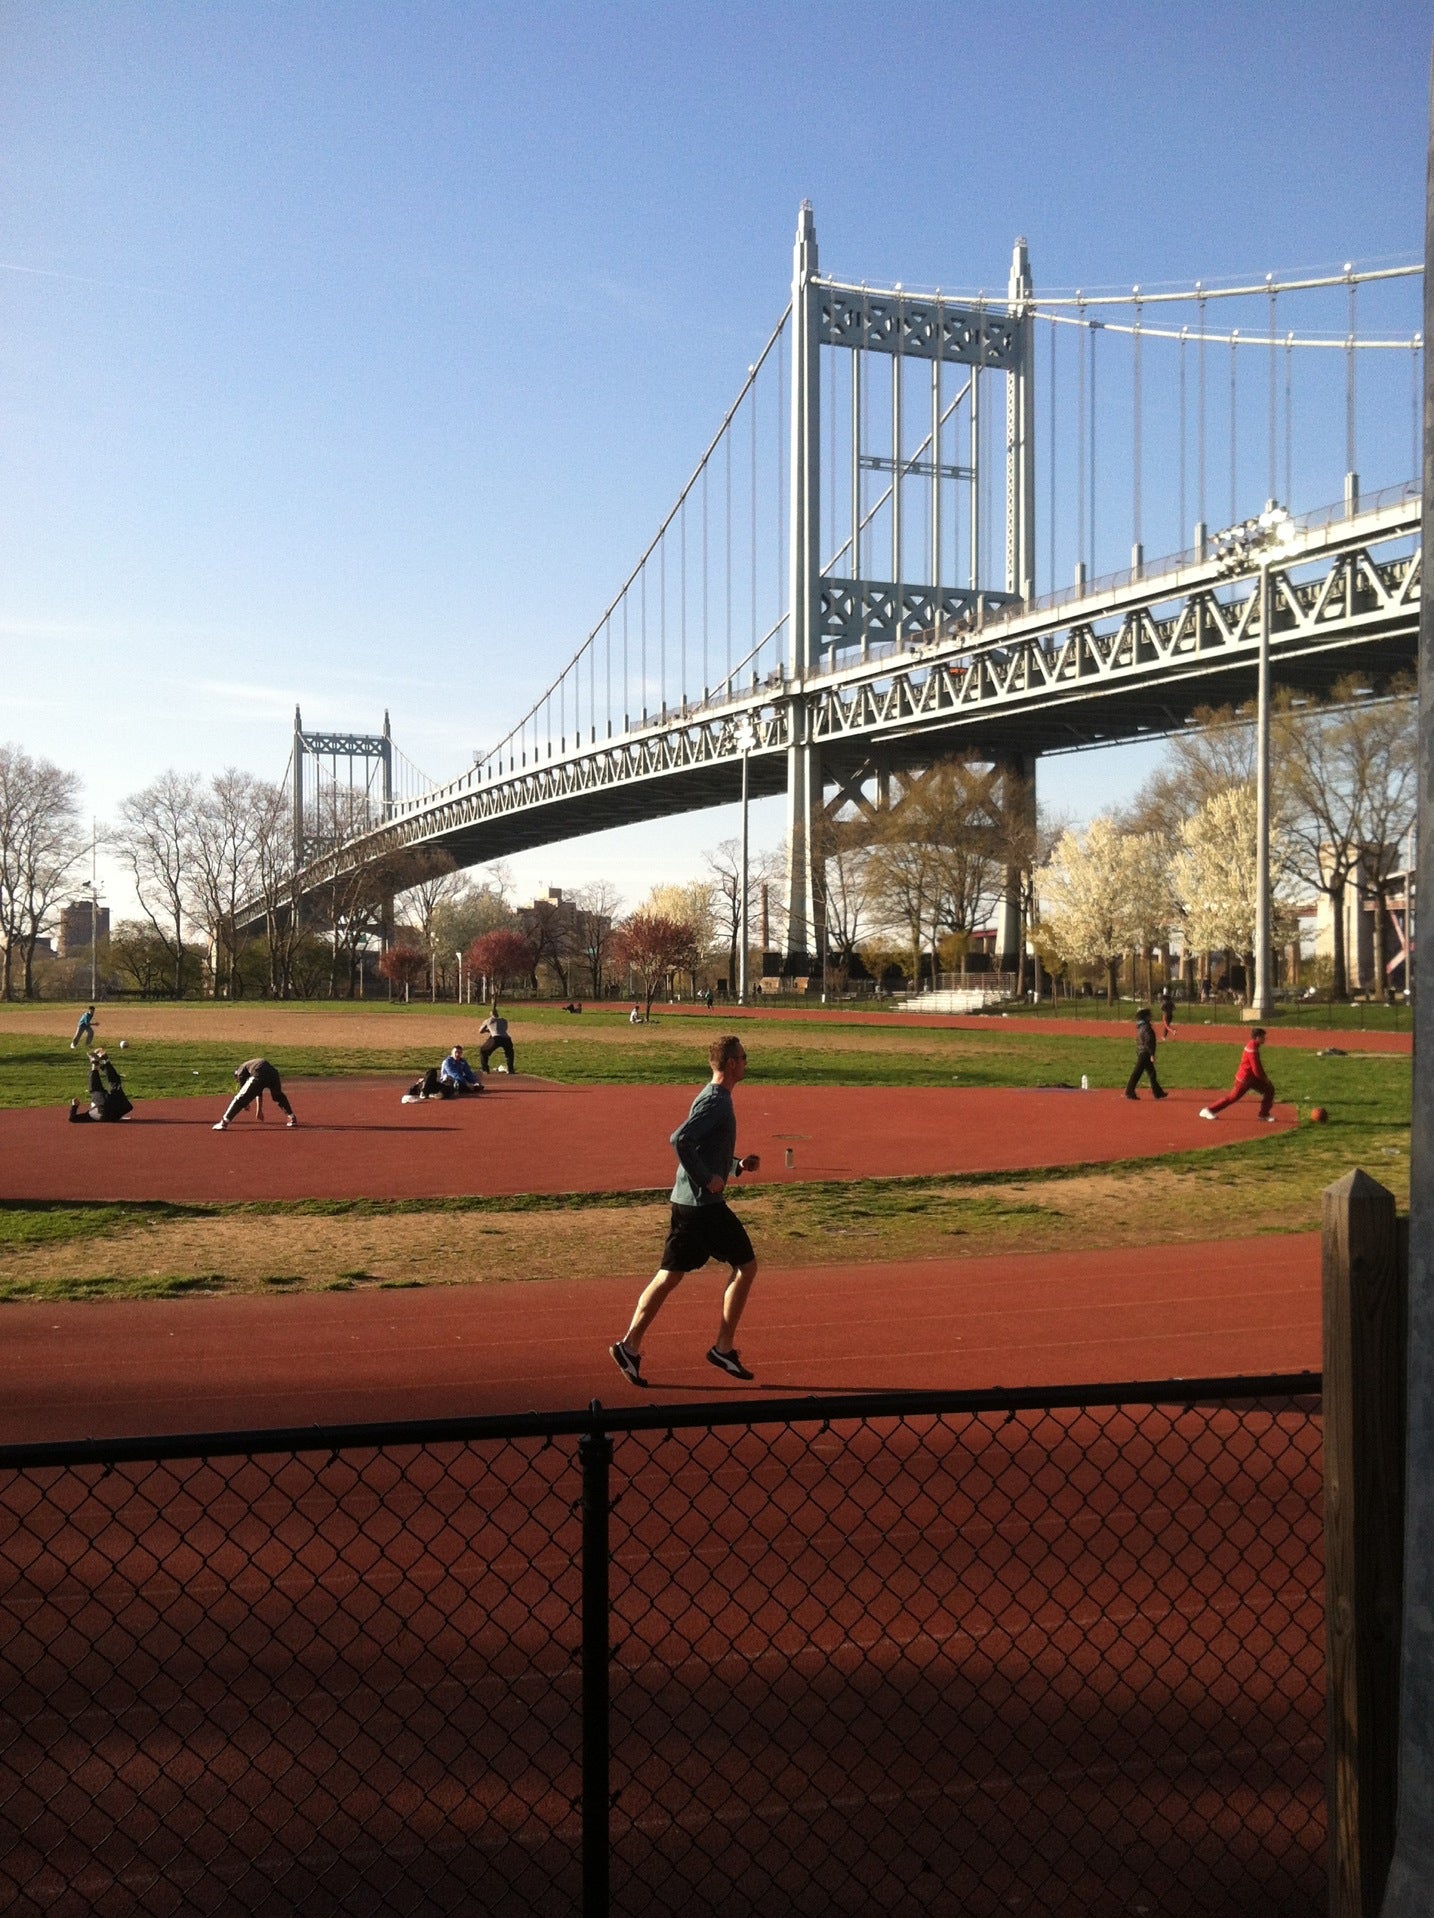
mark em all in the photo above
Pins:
pixel 1059 1653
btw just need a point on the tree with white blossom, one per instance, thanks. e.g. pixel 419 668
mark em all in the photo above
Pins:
pixel 1103 893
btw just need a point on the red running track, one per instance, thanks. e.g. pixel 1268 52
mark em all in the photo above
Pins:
pixel 110 1368
pixel 356 1141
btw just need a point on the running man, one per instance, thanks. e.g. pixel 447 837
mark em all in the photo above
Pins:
pixel 85 1030
pixel 495 1027
pixel 703 1225
pixel 1144 1057
pixel 256 1077
pixel 1251 1077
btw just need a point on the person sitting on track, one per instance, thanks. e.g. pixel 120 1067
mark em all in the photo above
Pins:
pixel 497 1040
pixel 458 1075
pixel 256 1077
pixel 108 1099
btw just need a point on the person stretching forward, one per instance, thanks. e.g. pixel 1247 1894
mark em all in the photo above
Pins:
pixel 703 1225
pixel 256 1077
pixel 1250 1077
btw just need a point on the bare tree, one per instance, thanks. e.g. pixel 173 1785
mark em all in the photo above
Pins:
pixel 440 881
pixel 39 846
pixel 223 869
pixel 595 923
pixel 274 883
pixel 724 863
pixel 156 841
pixel 1386 744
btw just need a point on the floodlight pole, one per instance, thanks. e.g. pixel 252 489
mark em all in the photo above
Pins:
pixel 1264 998
pixel 1412 1872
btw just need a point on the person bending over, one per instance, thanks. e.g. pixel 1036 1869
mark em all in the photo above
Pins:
pixel 495 1027
pixel 108 1100
pixel 256 1077
pixel 85 1030
pixel 457 1075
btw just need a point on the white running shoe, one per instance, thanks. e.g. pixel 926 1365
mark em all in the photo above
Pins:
pixel 1206 1113
pixel 292 1122
pixel 221 1125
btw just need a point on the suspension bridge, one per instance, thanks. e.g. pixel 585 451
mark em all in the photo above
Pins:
pixel 896 433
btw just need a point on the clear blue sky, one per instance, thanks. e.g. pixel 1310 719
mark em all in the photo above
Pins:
pixel 349 354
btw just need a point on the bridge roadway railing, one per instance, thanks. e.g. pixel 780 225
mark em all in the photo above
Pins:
pixel 1339 582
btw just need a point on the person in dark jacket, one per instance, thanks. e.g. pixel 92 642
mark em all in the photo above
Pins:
pixel 108 1099
pixel 703 1225
pixel 1167 1012
pixel 1144 1056
pixel 431 1086
pixel 256 1077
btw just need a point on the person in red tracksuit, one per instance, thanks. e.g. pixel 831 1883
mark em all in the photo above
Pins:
pixel 1251 1077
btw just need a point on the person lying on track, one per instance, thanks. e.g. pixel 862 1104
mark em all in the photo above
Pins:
pixel 256 1077
pixel 108 1099
pixel 431 1086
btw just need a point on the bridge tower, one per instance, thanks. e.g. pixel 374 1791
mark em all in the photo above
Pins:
pixel 830 613
pixel 361 807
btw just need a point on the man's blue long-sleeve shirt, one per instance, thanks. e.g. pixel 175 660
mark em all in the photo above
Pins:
pixel 459 1071
pixel 705 1143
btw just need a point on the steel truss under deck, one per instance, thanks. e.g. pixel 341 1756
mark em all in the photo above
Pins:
pixel 1132 659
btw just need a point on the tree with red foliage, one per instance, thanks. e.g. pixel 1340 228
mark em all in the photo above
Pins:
pixel 403 966
pixel 501 956
pixel 655 946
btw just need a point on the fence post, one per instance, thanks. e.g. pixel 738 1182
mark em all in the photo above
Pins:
pixel 595 1455
pixel 1365 1255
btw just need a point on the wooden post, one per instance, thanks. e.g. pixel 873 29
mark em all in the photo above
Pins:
pixel 1365 1260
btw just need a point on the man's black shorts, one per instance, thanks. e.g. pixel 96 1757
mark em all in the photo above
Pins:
pixel 702 1232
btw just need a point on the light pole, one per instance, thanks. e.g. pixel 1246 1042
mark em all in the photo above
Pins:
pixel 1268 538
pixel 459 957
pixel 94 915
pixel 745 743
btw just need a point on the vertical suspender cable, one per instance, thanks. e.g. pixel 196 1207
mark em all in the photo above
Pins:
pixel 1351 461
pixel 1234 424
pixel 831 449
pixel 1094 330
pixel 626 694
pixel 682 615
pixel 896 560
pixel 643 687
pixel 1051 456
pixel 727 593
pixel 1183 529
pixel 1289 423
pixel 975 533
pixel 662 625
pixel 1273 492
pixel 754 517
pixel 1136 477
pixel 1200 427
pixel 704 580
pixel 1082 344
pixel 781 556
pixel 934 572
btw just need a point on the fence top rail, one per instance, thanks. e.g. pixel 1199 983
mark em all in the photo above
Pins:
pixel 1241 1388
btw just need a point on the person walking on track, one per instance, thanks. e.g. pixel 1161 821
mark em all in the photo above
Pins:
pixel 256 1077
pixel 1144 1057
pixel 703 1225
pixel 1167 1012
pixel 1251 1077
pixel 495 1031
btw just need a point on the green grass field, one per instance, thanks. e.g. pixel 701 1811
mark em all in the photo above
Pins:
pixel 1259 1185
